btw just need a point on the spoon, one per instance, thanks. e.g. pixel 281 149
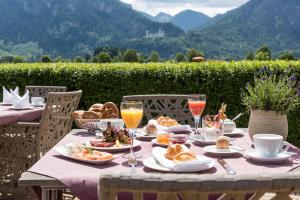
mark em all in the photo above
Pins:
pixel 238 116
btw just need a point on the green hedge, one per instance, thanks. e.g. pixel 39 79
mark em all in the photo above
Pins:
pixel 221 81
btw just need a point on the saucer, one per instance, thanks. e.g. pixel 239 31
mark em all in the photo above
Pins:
pixel 222 152
pixel 236 131
pixel 201 140
pixel 154 141
pixel 281 157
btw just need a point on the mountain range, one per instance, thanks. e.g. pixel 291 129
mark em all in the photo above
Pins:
pixel 186 20
pixel 257 22
pixel 64 27
pixel 69 28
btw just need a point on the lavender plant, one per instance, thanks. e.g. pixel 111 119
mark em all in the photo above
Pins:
pixel 272 91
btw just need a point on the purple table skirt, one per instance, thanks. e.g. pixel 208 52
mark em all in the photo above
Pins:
pixel 8 116
pixel 82 178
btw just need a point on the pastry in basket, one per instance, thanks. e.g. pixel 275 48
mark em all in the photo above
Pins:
pixel 173 150
pixel 78 114
pixel 222 142
pixel 110 110
pixel 166 121
pixel 96 107
pixel 91 115
pixel 184 156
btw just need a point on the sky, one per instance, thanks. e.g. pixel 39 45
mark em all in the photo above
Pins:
pixel 208 7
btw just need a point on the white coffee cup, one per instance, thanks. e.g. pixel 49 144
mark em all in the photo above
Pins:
pixel 269 145
pixel 37 101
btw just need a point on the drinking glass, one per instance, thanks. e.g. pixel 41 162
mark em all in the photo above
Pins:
pixel 212 127
pixel 132 113
pixel 196 103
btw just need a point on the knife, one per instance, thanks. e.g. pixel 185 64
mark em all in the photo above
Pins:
pixel 228 169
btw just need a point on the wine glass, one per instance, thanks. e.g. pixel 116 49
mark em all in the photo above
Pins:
pixel 196 103
pixel 132 113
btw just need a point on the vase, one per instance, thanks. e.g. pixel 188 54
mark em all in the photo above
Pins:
pixel 262 121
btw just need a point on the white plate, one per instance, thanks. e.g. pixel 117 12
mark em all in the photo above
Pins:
pixel 236 131
pixel 281 157
pixel 141 134
pixel 113 148
pixel 62 151
pixel 225 152
pixel 42 105
pixel 154 141
pixel 152 164
pixel 25 108
pixel 200 139
pixel 5 104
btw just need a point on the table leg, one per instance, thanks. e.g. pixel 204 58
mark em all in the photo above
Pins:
pixel 45 194
pixel 54 194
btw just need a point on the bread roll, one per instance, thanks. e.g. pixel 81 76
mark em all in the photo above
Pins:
pixel 96 107
pixel 91 115
pixel 78 114
pixel 222 142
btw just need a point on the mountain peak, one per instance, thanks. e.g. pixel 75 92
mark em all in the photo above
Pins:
pixel 189 19
pixel 163 17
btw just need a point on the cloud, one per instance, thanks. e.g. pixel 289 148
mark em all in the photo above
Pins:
pixel 209 7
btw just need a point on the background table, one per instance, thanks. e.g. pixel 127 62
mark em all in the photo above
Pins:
pixel 8 115
pixel 30 179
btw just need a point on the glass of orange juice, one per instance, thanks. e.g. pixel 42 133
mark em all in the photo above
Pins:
pixel 132 114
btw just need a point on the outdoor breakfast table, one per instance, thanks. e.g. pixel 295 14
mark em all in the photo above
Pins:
pixel 8 115
pixel 53 172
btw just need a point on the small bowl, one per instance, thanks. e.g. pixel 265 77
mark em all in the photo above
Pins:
pixel 179 139
pixel 229 125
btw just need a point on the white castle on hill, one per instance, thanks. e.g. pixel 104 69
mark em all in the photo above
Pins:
pixel 158 34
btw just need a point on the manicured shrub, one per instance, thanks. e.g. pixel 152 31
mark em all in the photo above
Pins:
pixel 220 81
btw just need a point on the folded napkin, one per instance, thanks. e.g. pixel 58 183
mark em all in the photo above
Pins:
pixel 201 163
pixel 178 128
pixel 20 102
pixel 7 95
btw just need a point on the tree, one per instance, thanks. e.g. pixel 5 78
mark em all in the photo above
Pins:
pixel 262 56
pixel 78 59
pixel 87 57
pixel 288 55
pixel 59 59
pixel 250 56
pixel 131 56
pixel 6 59
pixel 263 53
pixel 94 59
pixel 45 59
pixel 191 53
pixel 179 57
pixel 104 57
pixel 154 56
pixel 18 59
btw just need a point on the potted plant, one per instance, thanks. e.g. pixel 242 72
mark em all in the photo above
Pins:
pixel 269 99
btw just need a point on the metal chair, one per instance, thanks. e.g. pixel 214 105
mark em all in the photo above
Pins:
pixel 43 91
pixel 171 105
pixel 23 143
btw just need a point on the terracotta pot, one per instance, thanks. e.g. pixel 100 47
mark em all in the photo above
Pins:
pixel 267 122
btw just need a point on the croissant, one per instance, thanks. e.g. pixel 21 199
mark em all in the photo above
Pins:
pixel 173 150
pixel 184 156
